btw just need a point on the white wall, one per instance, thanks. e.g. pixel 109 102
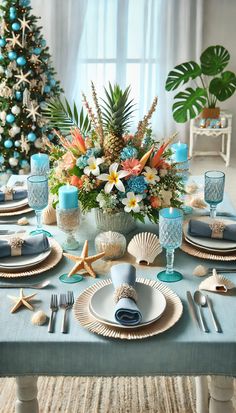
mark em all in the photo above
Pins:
pixel 219 27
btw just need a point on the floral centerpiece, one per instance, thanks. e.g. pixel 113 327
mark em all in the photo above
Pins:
pixel 114 170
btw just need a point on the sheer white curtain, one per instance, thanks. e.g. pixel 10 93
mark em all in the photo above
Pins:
pixel 132 42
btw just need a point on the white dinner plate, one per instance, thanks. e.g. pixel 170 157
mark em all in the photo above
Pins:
pixel 210 243
pixel 25 261
pixel 151 303
pixel 13 204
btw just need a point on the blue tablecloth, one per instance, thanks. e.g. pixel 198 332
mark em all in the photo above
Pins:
pixel 182 350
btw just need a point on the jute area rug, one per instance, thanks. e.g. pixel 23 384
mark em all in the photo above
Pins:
pixel 107 395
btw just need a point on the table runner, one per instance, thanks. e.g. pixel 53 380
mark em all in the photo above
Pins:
pixel 183 350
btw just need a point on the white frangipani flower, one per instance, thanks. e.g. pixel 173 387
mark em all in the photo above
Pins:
pixel 93 166
pixel 113 178
pixel 150 175
pixel 131 202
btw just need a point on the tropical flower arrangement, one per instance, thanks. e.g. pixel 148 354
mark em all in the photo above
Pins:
pixel 113 169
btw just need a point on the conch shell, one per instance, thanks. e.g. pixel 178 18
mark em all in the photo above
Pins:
pixel 217 283
pixel 49 215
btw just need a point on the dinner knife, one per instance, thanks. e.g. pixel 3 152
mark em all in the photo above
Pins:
pixel 191 307
pixel 216 324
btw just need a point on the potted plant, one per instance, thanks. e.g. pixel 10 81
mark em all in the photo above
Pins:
pixel 214 84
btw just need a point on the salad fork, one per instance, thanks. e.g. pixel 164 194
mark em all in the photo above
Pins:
pixel 54 308
pixel 66 302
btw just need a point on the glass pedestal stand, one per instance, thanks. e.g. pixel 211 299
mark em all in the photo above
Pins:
pixel 169 274
pixel 76 278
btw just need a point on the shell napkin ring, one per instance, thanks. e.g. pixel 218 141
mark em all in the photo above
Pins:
pixel 217 283
pixel 217 229
pixel 125 291
pixel 16 244
pixel 8 193
pixel 145 247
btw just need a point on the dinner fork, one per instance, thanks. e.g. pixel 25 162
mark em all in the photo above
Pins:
pixel 54 308
pixel 66 302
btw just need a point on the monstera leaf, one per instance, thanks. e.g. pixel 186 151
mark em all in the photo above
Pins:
pixel 223 87
pixel 213 60
pixel 190 103
pixel 182 74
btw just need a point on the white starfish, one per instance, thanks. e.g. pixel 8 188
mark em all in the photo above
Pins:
pixel 14 40
pixel 23 77
pixel 24 24
pixel 33 112
pixel 35 59
pixel 3 28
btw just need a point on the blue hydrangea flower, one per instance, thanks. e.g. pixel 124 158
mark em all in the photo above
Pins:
pixel 82 161
pixel 128 152
pixel 136 184
pixel 93 152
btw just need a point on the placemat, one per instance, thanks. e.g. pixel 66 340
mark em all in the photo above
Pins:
pixel 197 252
pixel 172 314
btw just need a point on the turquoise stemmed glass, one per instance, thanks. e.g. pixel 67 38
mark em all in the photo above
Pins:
pixel 214 190
pixel 170 236
pixel 38 200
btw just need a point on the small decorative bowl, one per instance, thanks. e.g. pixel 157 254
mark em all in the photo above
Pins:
pixel 112 243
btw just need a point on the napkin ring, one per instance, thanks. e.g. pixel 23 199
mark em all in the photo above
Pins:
pixel 217 229
pixel 125 291
pixel 16 244
pixel 8 193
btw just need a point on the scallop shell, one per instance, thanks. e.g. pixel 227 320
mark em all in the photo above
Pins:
pixel 145 247
pixel 23 221
pixel 197 203
pixel 200 271
pixel 217 283
pixel 39 318
pixel 49 215
pixel 191 188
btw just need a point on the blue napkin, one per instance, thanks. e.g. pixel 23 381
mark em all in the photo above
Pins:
pixel 18 194
pixel 126 310
pixel 32 245
pixel 201 229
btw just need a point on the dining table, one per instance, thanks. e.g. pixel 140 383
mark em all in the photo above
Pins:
pixel 28 351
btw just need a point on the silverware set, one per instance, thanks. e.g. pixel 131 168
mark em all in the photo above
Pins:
pixel 202 300
pixel 66 302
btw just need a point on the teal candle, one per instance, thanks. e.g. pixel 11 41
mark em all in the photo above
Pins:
pixel 68 197
pixel 39 163
pixel 180 152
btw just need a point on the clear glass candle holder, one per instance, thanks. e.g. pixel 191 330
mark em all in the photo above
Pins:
pixel 170 236
pixel 68 220
pixel 214 190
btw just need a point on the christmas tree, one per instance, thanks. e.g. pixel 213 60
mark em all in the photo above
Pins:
pixel 27 82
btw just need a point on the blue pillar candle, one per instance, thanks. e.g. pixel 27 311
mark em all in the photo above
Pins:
pixel 68 197
pixel 180 152
pixel 39 163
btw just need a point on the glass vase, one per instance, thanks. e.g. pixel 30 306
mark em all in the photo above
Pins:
pixel 119 222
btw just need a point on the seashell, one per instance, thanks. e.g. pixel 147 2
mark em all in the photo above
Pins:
pixel 217 283
pixel 191 188
pixel 49 215
pixel 39 318
pixel 23 221
pixel 197 203
pixel 112 243
pixel 145 247
pixel 200 271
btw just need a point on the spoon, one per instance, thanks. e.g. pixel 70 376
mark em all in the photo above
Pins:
pixel 200 300
pixel 37 286
pixel 207 301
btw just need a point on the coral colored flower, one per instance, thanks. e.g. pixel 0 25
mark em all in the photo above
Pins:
pixel 131 202
pixel 76 181
pixel 78 140
pixel 132 166
pixel 155 202
pixel 150 175
pixel 93 166
pixel 113 178
pixel 69 160
pixel 127 138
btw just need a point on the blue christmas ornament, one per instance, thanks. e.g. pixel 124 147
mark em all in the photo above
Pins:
pixel 9 171
pixel 53 82
pixel 18 95
pixel 43 104
pixel 16 155
pixel 17 144
pixel 2 42
pixel 43 43
pixel 31 137
pixel 12 10
pixel 37 50
pixel 12 16
pixel 8 144
pixel 1 160
pixel 24 163
pixel 15 26
pixel 21 61
pixel 12 55
pixel 50 136
pixel 10 118
pixel 47 89
pixel 24 3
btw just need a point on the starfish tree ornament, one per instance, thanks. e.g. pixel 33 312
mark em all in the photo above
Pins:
pixel 22 300
pixel 34 59
pixel 24 25
pixel 84 262
pixel 23 77
pixel 33 112
pixel 14 40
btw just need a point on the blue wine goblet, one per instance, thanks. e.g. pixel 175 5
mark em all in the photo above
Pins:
pixel 38 199
pixel 170 236
pixel 214 189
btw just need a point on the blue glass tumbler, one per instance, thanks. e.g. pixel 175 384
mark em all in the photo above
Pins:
pixel 214 189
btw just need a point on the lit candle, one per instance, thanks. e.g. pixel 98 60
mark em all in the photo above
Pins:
pixel 180 152
pixel 68 197
pixel 39 163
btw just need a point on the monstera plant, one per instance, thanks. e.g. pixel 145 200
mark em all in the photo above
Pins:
pixel 210 83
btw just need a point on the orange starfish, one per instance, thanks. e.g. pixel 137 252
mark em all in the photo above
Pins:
pixel 84 262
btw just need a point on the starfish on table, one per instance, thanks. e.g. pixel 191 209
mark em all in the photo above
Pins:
pixel 83 262
pixel 22 77
pixel 14 40
pixel 33 112
pixel 22 300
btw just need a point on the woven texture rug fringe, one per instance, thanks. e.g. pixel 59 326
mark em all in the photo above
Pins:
pixel 107 395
